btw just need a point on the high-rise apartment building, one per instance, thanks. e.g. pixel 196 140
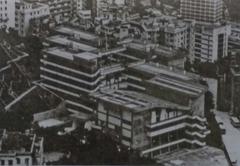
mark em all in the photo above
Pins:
pixel 210 42
pixel 210 11
pixel 7 13
pixel 61 10
pixel 27 12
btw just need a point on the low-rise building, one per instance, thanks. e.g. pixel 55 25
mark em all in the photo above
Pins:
pixel 20 148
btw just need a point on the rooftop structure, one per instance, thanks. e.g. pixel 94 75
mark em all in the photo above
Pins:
pixel 71 55
pixel 137 102
pixel 76 33
pixel 168 83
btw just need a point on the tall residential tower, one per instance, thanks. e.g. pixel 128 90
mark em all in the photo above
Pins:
pixel 209 11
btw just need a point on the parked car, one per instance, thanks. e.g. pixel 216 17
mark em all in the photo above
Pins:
pixel 235 122
pixel 221 125
pixel 222 128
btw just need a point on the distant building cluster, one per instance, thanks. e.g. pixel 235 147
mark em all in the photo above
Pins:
pixel 123 70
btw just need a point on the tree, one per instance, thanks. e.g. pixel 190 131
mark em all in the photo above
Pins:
pixel 188 65
pixel 34 47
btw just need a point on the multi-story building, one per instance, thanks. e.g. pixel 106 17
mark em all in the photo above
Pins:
pixel 28 12
pixel 165 30
pixel 210 42
pixel 7 13
pixel 61 10
pixel 234 38
pixel 208 11
pixel 235 90
pixel 161 112
pixel 232 82
pixel 177 34
pixel 73 74
pixel 99 7
pixel 147 124
pixel 20 149
pixel 80 5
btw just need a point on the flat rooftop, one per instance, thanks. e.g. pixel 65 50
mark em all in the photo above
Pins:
pixel 156 69
pixel 207 156
pixel 62 40
pixel 134 100
pixel 72 31
pixel 173 78
pixel 70 55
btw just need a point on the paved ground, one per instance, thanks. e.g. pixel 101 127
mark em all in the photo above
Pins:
pixel 53 156
pixel 232 137
pixel 207 156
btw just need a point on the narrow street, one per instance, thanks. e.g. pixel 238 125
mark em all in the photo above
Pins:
pixel 232 137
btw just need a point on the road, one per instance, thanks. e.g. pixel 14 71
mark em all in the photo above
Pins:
pixel 232 137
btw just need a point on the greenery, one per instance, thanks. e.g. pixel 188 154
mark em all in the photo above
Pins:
pixel 214 138
pixel 233 8
pixel 15 121
pixel 207 69
pixel 97 148
pixel 33 46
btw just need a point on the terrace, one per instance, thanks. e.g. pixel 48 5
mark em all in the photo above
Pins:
pixel 65 41
pixel 70 54
pixel 76 32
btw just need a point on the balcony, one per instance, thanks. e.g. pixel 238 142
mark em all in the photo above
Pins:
pixel 176 120
pixel 175 127
pixel 199 134
pixel 184 140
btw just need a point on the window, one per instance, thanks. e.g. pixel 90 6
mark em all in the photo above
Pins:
pixel 10 162
pixel 27 161
pixel 2 162
pixel 165 150
pixel 18 161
